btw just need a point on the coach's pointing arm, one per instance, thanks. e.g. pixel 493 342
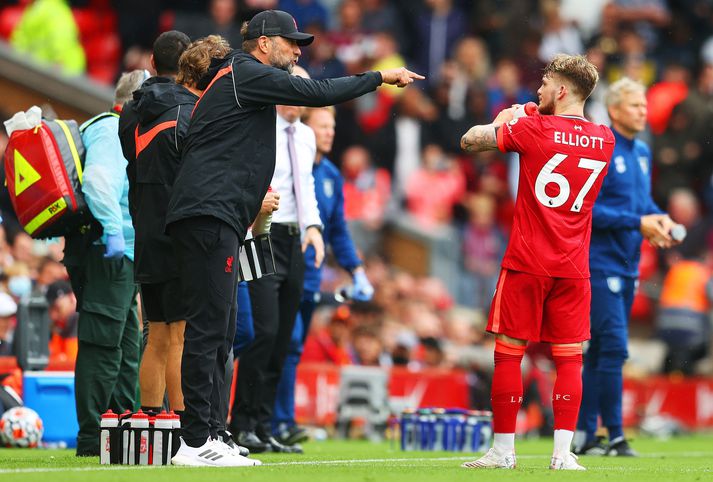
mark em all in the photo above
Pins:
pixel 263 84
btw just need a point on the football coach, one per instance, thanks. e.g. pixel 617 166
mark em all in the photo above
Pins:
pixel 228 161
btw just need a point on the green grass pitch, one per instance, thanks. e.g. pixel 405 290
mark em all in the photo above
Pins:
pixel 684 459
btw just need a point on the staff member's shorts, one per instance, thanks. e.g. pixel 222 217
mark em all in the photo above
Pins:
pixel 540 308
pixel 163 301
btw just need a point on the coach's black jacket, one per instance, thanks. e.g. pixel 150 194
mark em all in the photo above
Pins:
pixel 152 132
pixel 229 151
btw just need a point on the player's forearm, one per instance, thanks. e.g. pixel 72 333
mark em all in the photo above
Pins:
pixel 480 138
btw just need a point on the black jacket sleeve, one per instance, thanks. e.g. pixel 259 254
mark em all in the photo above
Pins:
pixel 127 125
pixel 262 84
pixel 182 121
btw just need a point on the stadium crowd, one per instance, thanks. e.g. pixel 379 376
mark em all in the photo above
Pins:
pixel 398 150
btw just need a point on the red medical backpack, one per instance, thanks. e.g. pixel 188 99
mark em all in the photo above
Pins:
pixel 44 168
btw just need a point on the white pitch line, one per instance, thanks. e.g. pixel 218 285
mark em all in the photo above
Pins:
pixel 462 457
pixel 419 461
pixel 370 461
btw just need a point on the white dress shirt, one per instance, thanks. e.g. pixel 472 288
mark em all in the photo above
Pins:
pixel 306 149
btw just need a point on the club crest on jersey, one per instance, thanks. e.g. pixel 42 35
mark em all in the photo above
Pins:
pixel 328 187
pixel 644 163
pixel 614 283
pixel 620 164
pixel 513 122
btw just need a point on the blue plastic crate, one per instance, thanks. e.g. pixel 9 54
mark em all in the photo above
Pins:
pixel 51 395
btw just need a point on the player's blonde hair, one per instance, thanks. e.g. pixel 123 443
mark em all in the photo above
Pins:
pixel 195 60
pixel 576 69
pixel 622 86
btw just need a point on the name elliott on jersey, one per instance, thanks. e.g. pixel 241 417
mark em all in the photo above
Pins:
pixel 578 140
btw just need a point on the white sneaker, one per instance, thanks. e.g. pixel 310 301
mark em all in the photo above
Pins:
pixel 235 450
pixel 493 460
pixel 227 438
pixel 568 462
pixel 210 454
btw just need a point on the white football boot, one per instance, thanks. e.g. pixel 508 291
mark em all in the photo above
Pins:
pixel 493 459
pixel 568 462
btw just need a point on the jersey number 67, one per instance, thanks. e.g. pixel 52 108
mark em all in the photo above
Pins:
pixel 547 176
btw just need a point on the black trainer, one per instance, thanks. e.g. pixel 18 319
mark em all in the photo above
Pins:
pixel 594 447
pixel 293 435
pixel 620 448
pixel 277 447
pixel 251 441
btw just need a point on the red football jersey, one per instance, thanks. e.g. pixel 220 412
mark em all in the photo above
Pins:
pixel 563 161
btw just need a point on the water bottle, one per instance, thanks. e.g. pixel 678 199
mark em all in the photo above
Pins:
pixel 424 429
pixel 486 429
pixel 139 440
pixel 523 110
pixel 678 232
pixel 472 433
pixel 175 432
pixel 109 420
pixel 455 431
pixel 440 441
pixel 408 427
pixel 125 431
pixel 162 438
pixel 262 222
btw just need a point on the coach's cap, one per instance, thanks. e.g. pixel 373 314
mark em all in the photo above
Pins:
pixel 272 23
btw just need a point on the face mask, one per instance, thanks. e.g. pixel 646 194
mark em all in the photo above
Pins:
pixel 19 286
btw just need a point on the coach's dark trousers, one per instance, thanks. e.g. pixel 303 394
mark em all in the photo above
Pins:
pixel 275 300
pixel 207 250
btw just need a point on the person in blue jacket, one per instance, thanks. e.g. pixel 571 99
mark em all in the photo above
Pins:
pixel 330 200
pixel 624 214
pixel 102 276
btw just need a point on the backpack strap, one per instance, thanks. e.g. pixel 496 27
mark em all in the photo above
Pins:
pixel 76 151
pixel 97 118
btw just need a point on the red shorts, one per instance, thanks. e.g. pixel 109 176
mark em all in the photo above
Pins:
pixel 540 308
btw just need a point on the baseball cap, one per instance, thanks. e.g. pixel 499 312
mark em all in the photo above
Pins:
pixel 273 23
pixel 57 290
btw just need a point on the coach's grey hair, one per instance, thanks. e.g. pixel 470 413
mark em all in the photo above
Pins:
pixel 621 86
pixel 127 84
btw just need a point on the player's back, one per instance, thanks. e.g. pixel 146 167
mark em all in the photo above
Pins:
pixel 563 161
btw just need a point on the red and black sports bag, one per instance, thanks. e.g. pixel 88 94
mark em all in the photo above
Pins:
pixel 43 168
